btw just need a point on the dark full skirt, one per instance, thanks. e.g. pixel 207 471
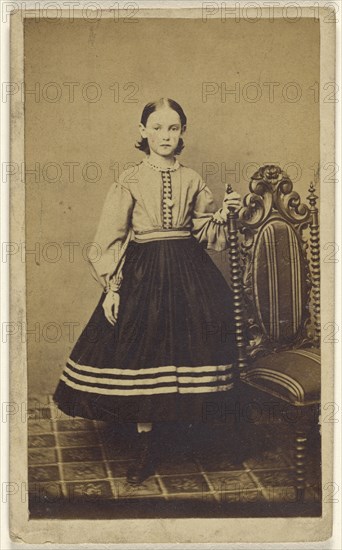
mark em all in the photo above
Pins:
pixel 171 354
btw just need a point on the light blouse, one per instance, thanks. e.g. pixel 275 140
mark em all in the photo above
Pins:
pixel 148 203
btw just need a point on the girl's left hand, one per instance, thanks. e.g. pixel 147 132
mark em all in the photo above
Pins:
pixel 232 202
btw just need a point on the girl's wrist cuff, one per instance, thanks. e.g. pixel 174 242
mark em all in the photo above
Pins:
pixel 220 217
pixel 113 285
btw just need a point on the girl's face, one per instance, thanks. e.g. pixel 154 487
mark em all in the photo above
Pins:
pixel 163 130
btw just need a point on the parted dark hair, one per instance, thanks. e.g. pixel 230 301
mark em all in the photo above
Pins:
pixel 150 108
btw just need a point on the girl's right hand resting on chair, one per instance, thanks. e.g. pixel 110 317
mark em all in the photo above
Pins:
pixel 110 306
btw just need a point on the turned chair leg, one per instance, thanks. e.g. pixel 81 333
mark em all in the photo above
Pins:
pixel 301 440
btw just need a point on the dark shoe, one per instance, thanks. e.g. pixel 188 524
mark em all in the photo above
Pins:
pixel 144 466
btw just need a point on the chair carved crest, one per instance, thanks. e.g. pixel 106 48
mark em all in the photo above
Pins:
pixel 275 279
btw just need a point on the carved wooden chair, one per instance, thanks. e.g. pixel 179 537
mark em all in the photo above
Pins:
pixel 274 284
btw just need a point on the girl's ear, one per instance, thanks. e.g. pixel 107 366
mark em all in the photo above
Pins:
pixel 142 130
pixel 183 129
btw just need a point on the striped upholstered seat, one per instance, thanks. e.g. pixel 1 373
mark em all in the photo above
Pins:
pixel 294 376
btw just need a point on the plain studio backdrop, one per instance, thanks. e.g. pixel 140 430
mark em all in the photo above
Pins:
pixel 249 90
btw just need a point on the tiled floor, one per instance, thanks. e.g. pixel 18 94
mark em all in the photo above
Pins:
pixel 77 468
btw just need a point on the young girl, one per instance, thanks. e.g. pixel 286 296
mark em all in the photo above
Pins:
pixel 160 345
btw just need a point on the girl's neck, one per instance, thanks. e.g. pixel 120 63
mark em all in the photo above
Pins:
pixel 161 162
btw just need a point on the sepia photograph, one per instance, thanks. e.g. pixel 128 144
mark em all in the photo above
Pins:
pixel 172 238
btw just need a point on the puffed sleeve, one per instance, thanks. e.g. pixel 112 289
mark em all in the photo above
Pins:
pixel 209 225
pixel 112 237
